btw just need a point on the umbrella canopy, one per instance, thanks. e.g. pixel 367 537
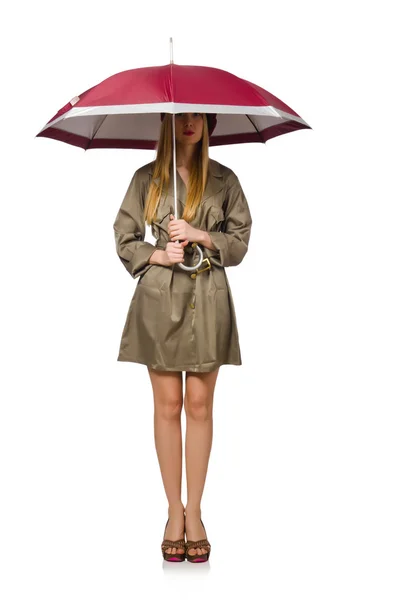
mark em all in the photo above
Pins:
pixel 123 110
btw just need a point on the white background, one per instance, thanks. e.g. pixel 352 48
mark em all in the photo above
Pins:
pixel 301 489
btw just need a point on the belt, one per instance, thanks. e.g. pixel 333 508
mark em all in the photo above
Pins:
pixel 205 260
pixel 189 250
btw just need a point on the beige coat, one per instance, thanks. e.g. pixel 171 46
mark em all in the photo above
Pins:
pixel 177 322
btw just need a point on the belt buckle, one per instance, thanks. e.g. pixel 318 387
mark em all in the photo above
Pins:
pixel 205 268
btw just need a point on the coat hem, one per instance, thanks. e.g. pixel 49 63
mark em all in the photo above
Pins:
pixel 203 368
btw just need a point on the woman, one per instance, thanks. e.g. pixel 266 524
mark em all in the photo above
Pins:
pixel 182 320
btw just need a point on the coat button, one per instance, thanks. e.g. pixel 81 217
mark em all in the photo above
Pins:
pixel 191 305
pixel 193 275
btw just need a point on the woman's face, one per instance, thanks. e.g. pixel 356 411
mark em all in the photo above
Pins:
pixel 188 122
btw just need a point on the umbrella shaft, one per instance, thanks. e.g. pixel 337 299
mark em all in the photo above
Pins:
pixel 174 161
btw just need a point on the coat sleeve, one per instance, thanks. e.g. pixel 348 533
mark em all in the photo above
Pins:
pixel 129 230
pixel 232 241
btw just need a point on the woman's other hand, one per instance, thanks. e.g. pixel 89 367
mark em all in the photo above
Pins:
pixel 174 252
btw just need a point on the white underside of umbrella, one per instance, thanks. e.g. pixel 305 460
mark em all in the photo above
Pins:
pixel 143 121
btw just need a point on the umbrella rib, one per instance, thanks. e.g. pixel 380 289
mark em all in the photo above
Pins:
pixel 256 129
pixel 96 131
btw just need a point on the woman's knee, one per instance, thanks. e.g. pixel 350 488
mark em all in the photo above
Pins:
pixel 199 394
pixel 168 406
pixel 198 406
pixel 167 393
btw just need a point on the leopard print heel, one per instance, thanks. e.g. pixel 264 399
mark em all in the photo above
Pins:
pixel 196 558
pixel 177 557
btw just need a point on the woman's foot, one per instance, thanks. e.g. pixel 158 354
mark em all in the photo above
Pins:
pixel 195 531
pixel 176 528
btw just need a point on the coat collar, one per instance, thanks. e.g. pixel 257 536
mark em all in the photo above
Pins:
pixel 215 179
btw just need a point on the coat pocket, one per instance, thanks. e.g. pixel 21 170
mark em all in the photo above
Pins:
pixel 215 217
pixel 160 225
pixel 163 212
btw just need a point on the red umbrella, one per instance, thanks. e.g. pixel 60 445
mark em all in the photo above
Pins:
pixel 123 111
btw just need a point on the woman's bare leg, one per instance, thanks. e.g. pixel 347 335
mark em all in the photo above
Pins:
pixel 199 429
pixel 168 402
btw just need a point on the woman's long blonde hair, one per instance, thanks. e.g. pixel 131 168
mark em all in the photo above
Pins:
pixel 162 167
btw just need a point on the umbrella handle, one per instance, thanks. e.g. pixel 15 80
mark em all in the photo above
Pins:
pixel 199 262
